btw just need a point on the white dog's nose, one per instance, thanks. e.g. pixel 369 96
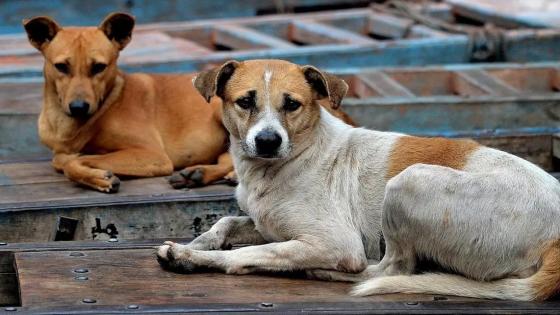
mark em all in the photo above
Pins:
pixel 267 143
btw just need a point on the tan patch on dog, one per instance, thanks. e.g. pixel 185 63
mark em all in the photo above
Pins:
pixel 410 150
pixel 546 282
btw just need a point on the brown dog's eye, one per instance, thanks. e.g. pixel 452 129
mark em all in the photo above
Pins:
pixel 98 68
pixel 290 104
pixel 247 102
pixel 62 68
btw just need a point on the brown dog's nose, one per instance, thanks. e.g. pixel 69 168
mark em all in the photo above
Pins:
pixel 79 108
pixel 267 143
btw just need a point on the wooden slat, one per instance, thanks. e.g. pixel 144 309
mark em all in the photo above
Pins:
pixel 121 277
pixel 239 37
pixel 317 33
pixel 389 26
pixel 384 85
pixel 487 82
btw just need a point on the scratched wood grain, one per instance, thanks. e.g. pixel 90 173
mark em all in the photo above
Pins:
pixel 121 277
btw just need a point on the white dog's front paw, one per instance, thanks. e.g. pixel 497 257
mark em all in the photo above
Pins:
pixel 176 257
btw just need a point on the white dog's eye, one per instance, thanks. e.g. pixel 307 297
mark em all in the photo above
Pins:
pixel 290 104
pixel 247 102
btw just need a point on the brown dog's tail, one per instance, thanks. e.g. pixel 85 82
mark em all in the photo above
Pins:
pixel 542 285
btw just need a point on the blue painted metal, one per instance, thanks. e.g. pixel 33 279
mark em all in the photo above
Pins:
pixel 80 13
pixel 190 46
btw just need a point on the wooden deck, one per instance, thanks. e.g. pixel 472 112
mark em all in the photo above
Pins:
pixel 87 277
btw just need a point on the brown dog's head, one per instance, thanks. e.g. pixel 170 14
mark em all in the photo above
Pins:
pixel 81 62
pixel 270 105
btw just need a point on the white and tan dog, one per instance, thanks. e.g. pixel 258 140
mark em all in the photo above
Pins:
pixel 319 195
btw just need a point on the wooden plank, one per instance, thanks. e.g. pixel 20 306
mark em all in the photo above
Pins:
pixel 239 37
pixel 384 85
pixel 389 26
pixel 487 82
pixel 309 32
pixel 121 277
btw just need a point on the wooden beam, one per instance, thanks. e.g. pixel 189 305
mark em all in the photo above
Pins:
pixel 384 85
pixel 240 38
pixel 317 33
pixel 485 81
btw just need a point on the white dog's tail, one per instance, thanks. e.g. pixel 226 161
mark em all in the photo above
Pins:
pixel 544 284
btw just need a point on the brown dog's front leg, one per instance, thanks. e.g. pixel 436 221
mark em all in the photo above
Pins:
pixel 201 175
pixel 97 171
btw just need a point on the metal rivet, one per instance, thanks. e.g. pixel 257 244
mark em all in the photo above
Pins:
pixel 133 307
pixel 3 243
pixel 440 298
pixel 266 304
pixel 81 278
pixel 10 309
pixel 81 270
pixel 76 254
pixel 113 240
pixel 89 301
pixel 411 303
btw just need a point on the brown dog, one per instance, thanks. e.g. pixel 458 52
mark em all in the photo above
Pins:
pixel 100 122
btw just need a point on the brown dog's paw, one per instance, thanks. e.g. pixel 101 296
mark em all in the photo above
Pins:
pixel 109 184
pixel 188 178
pixel 175 257
pixel 231 178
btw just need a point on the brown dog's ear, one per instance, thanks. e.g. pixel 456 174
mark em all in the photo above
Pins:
pixel 118 28
pixel 40 30
pixel 212 82
pixel 326 85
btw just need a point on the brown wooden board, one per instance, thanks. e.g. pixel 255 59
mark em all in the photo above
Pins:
pixel 130 280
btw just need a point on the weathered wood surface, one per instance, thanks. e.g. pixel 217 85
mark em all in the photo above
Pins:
pixel 122 277
pixel 33 197
pixel 501 99
pixel 130 280
pixel 335 39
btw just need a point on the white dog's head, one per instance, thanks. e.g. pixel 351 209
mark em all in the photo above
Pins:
pixel 269 105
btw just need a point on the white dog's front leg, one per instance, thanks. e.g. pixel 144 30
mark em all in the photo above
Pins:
pixel 283 256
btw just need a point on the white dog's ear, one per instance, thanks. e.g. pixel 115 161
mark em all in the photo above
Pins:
pixel 212 82
pixel 40 31
pixel 326 85
pixel 118 28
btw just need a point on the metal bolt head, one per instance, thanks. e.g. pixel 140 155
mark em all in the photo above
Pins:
pixel 113 240
pixel 10 309
pixel 411 303
pixel 81 278
pixel 89 301
pixel 81 270
pixel 132 307
pixel 267 304
pixel 76 254
pixel 3 243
